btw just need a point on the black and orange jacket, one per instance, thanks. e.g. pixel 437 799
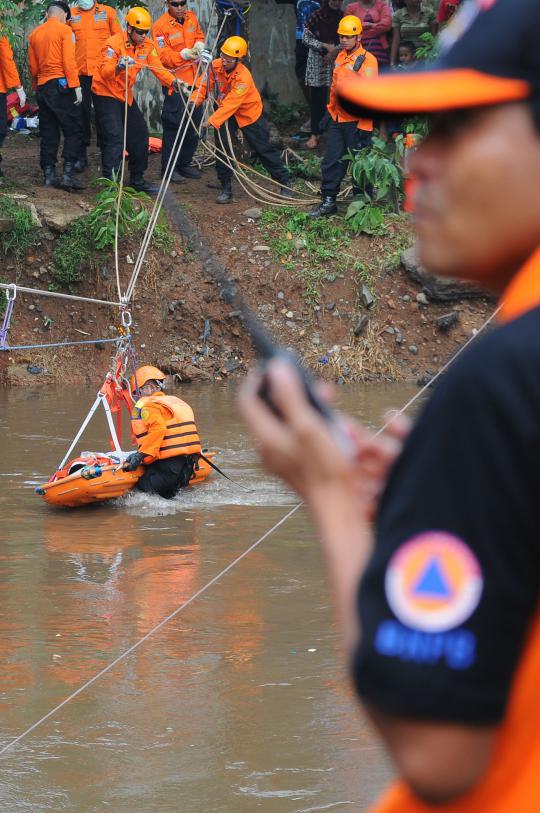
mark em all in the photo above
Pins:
pixel 9 75
pixel 108 81
pixel 92 29
pixel 164 426
pixel 171 37
pixel 51 54
pixel 237 95
pixel 346 61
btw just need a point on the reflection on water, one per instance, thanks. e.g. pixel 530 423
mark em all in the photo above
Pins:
pixel 239 703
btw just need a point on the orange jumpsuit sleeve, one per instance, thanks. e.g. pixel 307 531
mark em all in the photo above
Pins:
pixel 8 68
pixel 69 61
pixel 168 56
pixel 162 74
pixel 199 33
pixel 109 61
pixel 32 62
pixel 203 86
pixel 156 427
pixel 230 104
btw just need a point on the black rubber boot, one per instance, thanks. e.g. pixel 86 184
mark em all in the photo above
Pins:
pixel 327 207
pixel 69 181
pixel 176 177
pixel 225 196
pixel 140 185
pixel 190 172
pixel 286 191
pixel 81 163
pixel 49 177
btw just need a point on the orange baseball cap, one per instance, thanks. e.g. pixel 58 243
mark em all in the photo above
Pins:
pixel 490 54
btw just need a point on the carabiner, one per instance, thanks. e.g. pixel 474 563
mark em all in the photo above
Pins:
pixel 126 319
pixel 13 288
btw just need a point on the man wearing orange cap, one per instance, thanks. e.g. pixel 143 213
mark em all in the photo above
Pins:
pixel 92 24
pixel 166 434
pixel 9 78
pixel 440 600
pixel 127 53
pixel 347 132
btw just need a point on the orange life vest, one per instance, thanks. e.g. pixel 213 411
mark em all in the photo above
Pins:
pixel 181 436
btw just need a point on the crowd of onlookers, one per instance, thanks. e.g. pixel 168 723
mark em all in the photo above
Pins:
pixel 392 32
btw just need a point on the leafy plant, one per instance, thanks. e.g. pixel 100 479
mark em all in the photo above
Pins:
pixel 375 174
pixel 429 49
pixel 74 252
pixel 18 239
pixel 363 217
pixel 283 113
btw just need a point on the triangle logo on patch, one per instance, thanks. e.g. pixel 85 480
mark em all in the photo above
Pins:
pixel 432 582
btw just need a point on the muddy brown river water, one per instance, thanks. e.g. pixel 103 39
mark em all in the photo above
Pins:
pixel 240 703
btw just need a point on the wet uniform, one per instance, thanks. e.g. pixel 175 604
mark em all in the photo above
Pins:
pixel 449 602
pixel 91 28
pixel 53 68
pixel 9 78
pixel 165 430
pixel 170 38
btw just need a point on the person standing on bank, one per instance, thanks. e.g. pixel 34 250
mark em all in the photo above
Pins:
pixel 53 68
pixel 92 24
pixel 239 105
pixel 132 51
pixel 440 602
pixel 179 41
pixel 167 437
pixel 347 131
pixel 9 78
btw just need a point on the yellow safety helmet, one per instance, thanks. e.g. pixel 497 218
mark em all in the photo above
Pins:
pixel 139 18
pixel 236 47
pixel 145 374
pixel 350 26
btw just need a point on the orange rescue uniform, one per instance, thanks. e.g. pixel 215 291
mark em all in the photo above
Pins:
pixel 171 37
pixel 51 54
pixel 345 61
pixel 164 426
pixel 92 29
pixel 108 82
pixel 9 76
pixel 237 95
pixel 510 784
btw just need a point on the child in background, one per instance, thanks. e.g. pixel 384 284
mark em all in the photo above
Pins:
pixel 407 56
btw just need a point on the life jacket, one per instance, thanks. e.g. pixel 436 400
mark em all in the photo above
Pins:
pixel 181 436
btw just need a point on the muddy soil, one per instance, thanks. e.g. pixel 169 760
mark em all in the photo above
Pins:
pixel 182 324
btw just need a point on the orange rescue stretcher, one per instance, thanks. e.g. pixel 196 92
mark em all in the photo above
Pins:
pixel 95 477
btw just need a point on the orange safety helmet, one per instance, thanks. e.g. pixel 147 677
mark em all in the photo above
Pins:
pixel 350 26
pixel 145 374
pixel 139 18
pixel 235 47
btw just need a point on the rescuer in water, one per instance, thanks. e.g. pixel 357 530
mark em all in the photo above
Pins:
pixel 166 434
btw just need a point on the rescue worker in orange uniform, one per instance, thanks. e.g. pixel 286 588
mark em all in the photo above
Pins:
pixel 239 105
pixel 92 23
pixel 166 434
pixel 346 131
pixel 53 68
pixel 131 50
pixel 179 41
pixel 9 78
pixel 440 599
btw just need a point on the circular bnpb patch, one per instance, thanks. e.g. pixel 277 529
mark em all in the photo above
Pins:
pixel 433 582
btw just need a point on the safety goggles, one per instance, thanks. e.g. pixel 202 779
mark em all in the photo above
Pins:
pixel 142 32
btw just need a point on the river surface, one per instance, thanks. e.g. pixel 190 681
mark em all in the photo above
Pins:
pixel 239 703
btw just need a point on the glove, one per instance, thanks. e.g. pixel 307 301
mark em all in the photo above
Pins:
pixel 179 86
pixel 124 62
pixel 78 96
pixel 198 47
pixel 22 95
pixel 205 57
pixel 187 53
pixel 133 461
